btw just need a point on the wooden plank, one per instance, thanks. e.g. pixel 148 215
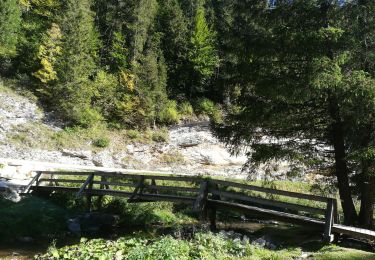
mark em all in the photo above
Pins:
pixel 55 188
pixel 34 179
pixel 273 214
pixel 270 191
pixel 139 188
pixel 122 184
pixel 328 237
pixel 129 176
pixel 171 188
pixel 62 181
pixel 145 197
pixel 83 187
pixel 201 199
pixel 354 232
pixel 262 201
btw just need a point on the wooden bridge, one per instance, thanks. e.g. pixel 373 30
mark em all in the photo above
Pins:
pixel 205 195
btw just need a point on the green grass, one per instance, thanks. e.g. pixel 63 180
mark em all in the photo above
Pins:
pixel 32 217
pixel 333 252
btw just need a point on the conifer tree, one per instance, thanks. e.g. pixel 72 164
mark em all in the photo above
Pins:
pixel 10 22
pixel 79 44
pixel 202 54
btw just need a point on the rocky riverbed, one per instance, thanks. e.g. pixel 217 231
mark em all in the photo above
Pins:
pixel 189 149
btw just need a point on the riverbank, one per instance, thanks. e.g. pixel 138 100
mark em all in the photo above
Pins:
pixel 42 226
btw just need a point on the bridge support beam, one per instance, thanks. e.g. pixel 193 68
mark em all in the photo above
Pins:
pixel 328 237
pixel 200 204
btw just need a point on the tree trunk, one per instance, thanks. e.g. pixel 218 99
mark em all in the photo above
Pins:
pixel 350 214
pixel 367 206
pixel 341 168
pixel 367 198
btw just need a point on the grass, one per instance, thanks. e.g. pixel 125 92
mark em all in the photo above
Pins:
pixel 31 217
pixel 333 252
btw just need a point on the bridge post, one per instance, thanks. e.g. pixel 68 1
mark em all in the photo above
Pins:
pixel 328 237
pixel 212 210
pixel 102 186
pixel 88 192
pixel 201 201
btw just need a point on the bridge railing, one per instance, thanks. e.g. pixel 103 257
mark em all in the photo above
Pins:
pixel 205 194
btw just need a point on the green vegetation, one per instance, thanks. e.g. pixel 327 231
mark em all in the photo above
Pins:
pixel 202 246
pixel 101 142
pixel 307 84
pixel 301 73
pixel 31 217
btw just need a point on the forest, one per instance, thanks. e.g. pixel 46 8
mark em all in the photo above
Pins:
pixel 300 72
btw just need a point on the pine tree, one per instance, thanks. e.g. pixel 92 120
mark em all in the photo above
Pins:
pixel 202 54
pixel 300 86
pixel 79 44
pixel 174 26
pixel 10 22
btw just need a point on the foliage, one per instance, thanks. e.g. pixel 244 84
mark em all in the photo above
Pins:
pixel 169 114
pixel 203 54
pixel 48 54
pixel 101 142
pixel 186 109
pixel 201 246
pixel 207 107
pixel 160 136
pixel 301 92
pixel 10 23
pixel 31 217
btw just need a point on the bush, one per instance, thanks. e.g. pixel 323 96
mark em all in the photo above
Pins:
pixel 160 136
pixel 186 109
pixel 169 114
pixel 133 134
pixel 209 108
pixel 101 142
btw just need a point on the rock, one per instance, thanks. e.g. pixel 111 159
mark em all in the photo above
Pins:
pixel 92 223
pixel 104 159
pixel 8 192
pixel 245 239
pixel 86 155
pixel 74 226
pixel 271 246
pixel 261 242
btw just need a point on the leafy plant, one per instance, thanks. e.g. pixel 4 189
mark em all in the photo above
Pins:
pixel 101 142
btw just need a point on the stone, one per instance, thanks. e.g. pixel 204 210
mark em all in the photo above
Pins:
pixel 83 154
pixel 74 226
pixel 261 242
pixel 103 159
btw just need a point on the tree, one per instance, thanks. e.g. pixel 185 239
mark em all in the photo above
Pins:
pixel 301 92
pixel 202 54
pixel 10 23
pixel 173 24
pixel 79 44
pixel 49 52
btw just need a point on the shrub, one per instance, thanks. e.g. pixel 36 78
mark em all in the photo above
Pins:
pixel 160 136
pixel 209 108
pixel 169 114
pixel 101 142
pixel 133 134
pixel 186 109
